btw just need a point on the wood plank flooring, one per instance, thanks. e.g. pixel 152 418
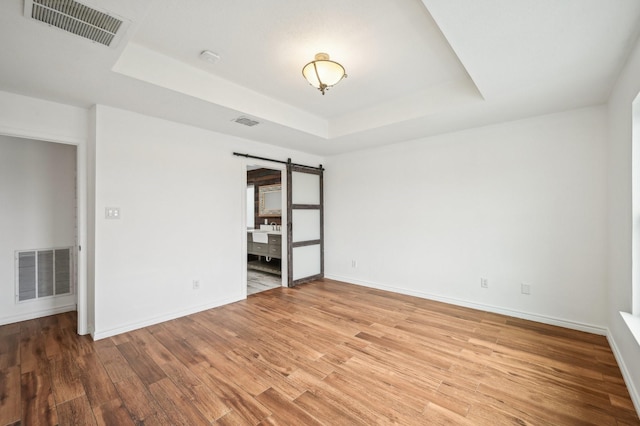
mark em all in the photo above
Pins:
pixel 325 353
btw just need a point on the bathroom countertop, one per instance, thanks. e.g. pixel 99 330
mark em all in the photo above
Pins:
pixel 262 230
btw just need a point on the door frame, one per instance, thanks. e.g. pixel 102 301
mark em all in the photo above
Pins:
pixel 282 168
pixel 81 214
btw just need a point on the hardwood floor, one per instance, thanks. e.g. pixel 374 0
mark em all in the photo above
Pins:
pixel 324 353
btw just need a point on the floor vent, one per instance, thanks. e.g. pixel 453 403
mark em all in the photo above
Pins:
pixel 246 121
pixel 43 273
pixel 76 18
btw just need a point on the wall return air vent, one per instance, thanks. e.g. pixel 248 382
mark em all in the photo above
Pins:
pixel 43 273
pixel 76 18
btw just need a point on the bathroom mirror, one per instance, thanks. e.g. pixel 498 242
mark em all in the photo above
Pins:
pixel 270 201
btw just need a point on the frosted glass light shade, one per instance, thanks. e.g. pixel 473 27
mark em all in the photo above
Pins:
pixel 323 73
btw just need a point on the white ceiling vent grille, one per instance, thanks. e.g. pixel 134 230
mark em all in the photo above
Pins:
pixel 246 121
pixel 78 19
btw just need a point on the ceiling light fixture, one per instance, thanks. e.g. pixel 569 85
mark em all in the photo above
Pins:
pixel 322 73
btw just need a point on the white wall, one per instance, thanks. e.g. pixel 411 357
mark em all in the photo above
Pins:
pixel 518 202
pixel 37 195
pixel 619 156
pixel 181 195
pixel 42 120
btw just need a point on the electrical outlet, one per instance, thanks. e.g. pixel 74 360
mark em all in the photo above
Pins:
pixel 525 288
pixel 484 283
pixel 354 263
pixel 196 284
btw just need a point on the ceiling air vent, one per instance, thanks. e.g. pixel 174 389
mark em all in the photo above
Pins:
pixel 246 121
pixel 78 19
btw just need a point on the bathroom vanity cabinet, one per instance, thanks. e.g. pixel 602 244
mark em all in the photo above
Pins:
pixel 273 248
pixel 270 253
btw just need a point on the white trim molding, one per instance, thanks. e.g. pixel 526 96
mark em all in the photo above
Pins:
pixel 37 314
pixel 633 391
pixel 102 334
pixel 573 325
pixel 633 322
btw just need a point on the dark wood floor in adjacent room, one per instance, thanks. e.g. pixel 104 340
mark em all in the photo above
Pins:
pixel 324 353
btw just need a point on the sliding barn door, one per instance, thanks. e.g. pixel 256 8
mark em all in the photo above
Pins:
pixel 305 225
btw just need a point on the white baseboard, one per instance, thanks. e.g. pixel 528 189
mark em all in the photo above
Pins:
pixel 37 314
pixel 102 334
pixel 573 325
pixel 633 391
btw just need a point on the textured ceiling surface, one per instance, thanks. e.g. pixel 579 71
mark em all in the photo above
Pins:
pixel 415 68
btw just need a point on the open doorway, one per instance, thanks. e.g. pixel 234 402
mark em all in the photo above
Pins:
pixel 300 207
pixel 266 236
pixel 38 192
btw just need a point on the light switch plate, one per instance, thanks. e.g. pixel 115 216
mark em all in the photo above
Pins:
pixel 112 212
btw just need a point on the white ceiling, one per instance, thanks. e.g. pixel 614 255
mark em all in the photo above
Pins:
pixel 415 68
